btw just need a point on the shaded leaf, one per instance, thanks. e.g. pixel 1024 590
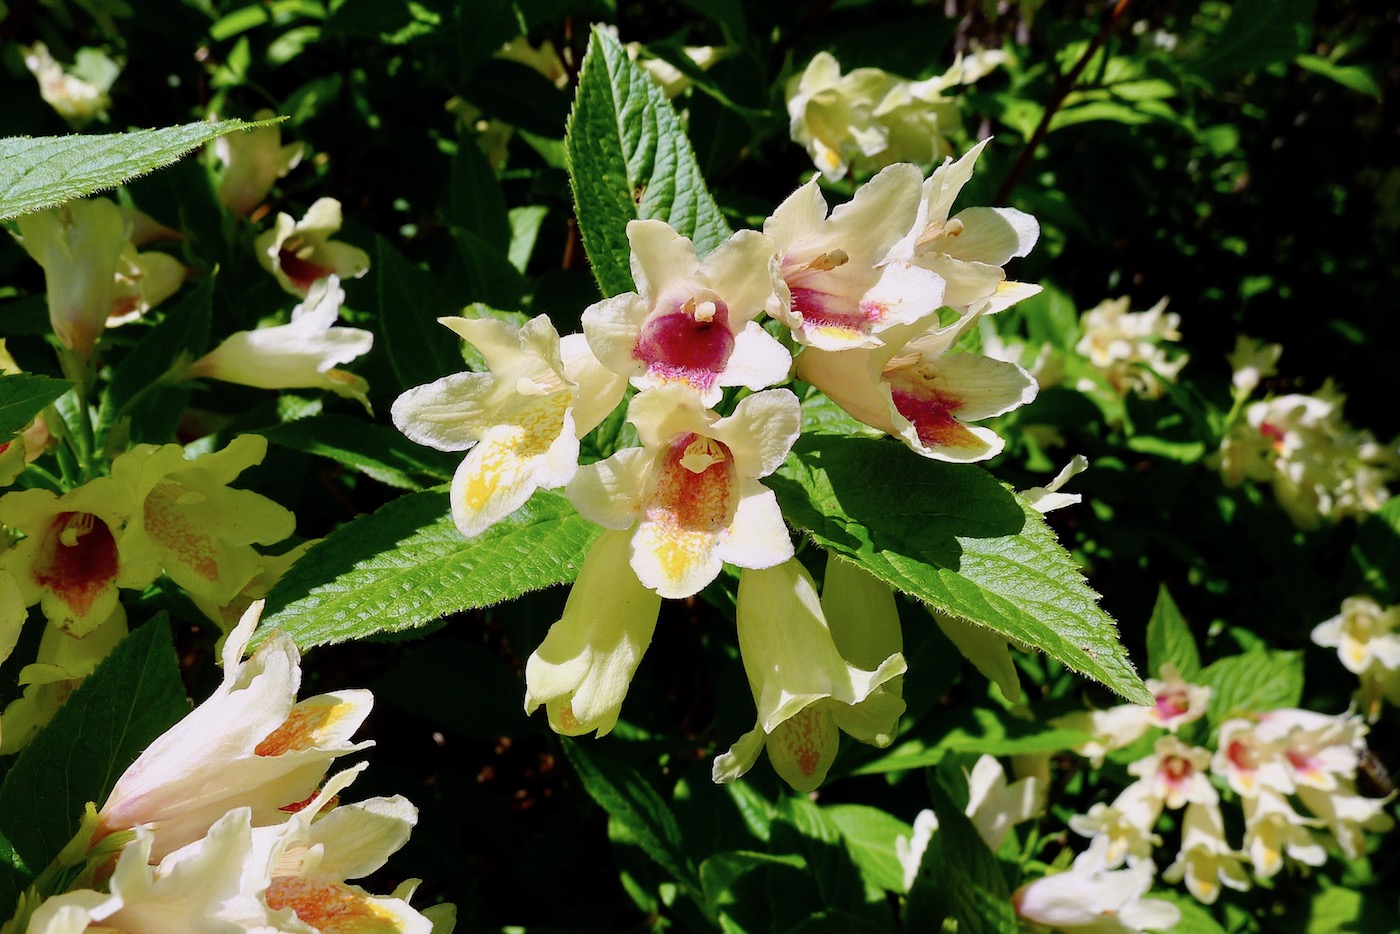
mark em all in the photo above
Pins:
pixel 1169 639
pixel 23 396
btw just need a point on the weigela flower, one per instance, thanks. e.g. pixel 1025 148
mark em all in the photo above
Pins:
pixel 302 354
pixel 299 253
pixel 1348 815
pixel 986 648
pixel 1321 751
pixel 520 423
pixel 77 94
pixel 804 689
pixel 1251 361
pixel 691 321
pixel 1175 703
pixel 1046 498
pixel 1126 346
pixel 1206 862
pixel 79 245
pixel 249 744
pixel 187 522
pixel 1177 773
pixel 914 389
pixel 1272 829
pixel 1252 759
pixel 1368 644
pixel 69 562
pixel 841 294
pixel 1125 826
pixel 143 281
pixel 691 492
pixel 1092 898
pixel 1113 728
pixel 968 249
pixel 993 806
pixel 582 669
pixel 253 162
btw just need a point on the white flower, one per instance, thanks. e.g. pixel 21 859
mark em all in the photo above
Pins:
pixel 1252 759
pixel 1046 498
pixel 1092 898
pixel 1368 644
pixel 1347 815
pixel 253 162
pixel 1177 773
pixel 77 94
pixel 1175 702
pixel 1125 826
pixel 1126 346
pixel 1272 829
pixel 1112 728
pixel 1206 861
pixel 299 253
pixel 1251 361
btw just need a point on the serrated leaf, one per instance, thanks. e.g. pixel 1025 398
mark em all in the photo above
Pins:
pixel 958 541
pixel 976 889
pixel 374 450
pixel 1256 681
pixel 629 158
pixel 869 834
pixel 407 565
pixel 410 302
pixel 628 798
pixel 1169 639
pixel 131 698
pixel 46 171
pixel 23 396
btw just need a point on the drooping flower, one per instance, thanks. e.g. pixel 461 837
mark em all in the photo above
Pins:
pixel 1126 825
pixel 842 293
pixel 582 669
pixel 1273 830
pixel 691 321
pixel 249 744
pixel 1092 898
pixel 188 522
pixel 299 253
pixel 520 422
pixel 1127 347
pixel 986 648
pixel 1177 773
pixel 253 162
pixel 968 249
pixel 804 689
pixel 1175 702
pixel 1348 815
pixel 303 354
pixel 143 281
pixel 1367 640
pixel 1206 861
pixel 77 94
pixel 914 389
pixel 691 492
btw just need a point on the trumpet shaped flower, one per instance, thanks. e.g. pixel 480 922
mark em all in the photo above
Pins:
pixel 520 422
pixel 691 321
pixel 582 669
pixel 187 522
pixel 253 161
pixel 840 293
pixel 1273 830
pixel 1348 815
pixel 77 94
pixel 1175 702
pixel 914 389
pixel 300 253
pixel 249 744
pixel 302 354
pixel 1206 861
pixel 1125 826
pixel 1177 773
pixel 1097 900
pixel 691 493
pixel 143 281
pixel 804 689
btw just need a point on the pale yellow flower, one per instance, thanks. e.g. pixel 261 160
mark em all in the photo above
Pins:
pixel 301 252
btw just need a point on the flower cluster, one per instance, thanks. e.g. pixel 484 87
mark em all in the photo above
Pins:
pixel 224 822
pixel 1272 762
pixel 858 289
pixel 1368 645
pixel 1128 348
pixel 868 118
pixel 1319 465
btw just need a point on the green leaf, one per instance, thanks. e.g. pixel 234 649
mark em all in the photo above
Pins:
pixel 1354 77
pixel 44 172
pixel 869 834
pixel 804 828
pixel 1169 639
pixel 133 697
pixel 23 396
pixel 628 159
pixel 1258 33
pixel 475 201
pixel 980 730
pixel 1341 910
pixel 1253 682
pixel 410 302
pixel 1195 918
pixel 628 798
pixel 959 542
pixel 374 450
pixel 976 890
pixel 407 565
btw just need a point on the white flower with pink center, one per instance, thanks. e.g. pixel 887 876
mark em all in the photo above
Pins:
pixel 1177 773
pixel 1320 749
pixel 691 321
pixel 1252 759
pixel 691 492
pixel 1175 702
pixel 914 389
pixel 842 292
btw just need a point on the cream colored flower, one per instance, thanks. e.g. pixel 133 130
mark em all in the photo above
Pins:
pixel 520 422
pixel 1206 861
pixel 1348 815
pixel 1126 826
pixel 300 253
pixel 77 94
pixel 1113 728
pixel 691 493
pixel 1252 759
pixel 1046 498
pixel 1368 644
pixel 1176 773
pixel 1126 347
pixel 1273 830
pixel 253 161
pixel 143 281
pixel 1251 361
pixel 1092 898
pixel 1175 702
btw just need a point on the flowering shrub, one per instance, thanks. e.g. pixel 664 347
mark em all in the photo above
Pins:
pixel 506 386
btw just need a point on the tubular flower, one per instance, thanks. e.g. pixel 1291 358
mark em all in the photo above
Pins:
pixel 582 669
pixel 77 94
pixel 804 689
pixel 79 245
pixel 691 321
pixel 1273 830
pixel 143 281
pixel 914 389
pixel 969 249
pixel 299 253
pixel 251 743
pixel 1367 640
pixel 301 354
pixel 253 162
pixel 1126 347
pixel 1177 773
pixel 1092 898
pixel 187 522
pixel 1206 861
pixel 1348 814
pixel 1175 703
pixel 1125 826
pixel 1252 759
pixel 69 562
pixel 691 492
pixel 520 423
pixel 841 295
pixel 1321 751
